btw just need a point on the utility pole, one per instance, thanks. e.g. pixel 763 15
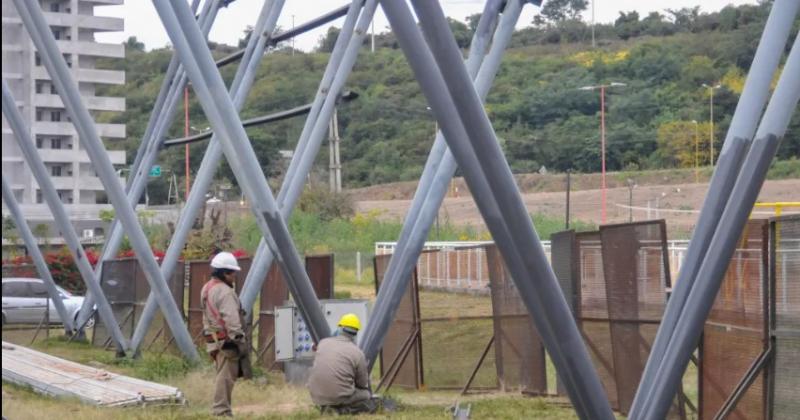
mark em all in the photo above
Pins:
pixel 711 117
pixel 372 38
pixel 335 166
pixel 593 40
pixel 186 134
pixel 631 186
pixel 569 187
pixel 696 152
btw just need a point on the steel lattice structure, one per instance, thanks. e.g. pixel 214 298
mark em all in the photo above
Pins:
pixel 454 90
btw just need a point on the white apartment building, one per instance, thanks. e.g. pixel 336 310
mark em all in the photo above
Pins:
pixel 74 26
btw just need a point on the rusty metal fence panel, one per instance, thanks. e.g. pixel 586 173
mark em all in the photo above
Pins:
pixel 785 283
pixel 402 348
pixel 735 334
pixel 519 353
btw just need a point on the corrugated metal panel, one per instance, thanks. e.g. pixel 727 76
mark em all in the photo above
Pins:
pixel 51 375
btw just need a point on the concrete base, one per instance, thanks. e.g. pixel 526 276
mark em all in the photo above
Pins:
pixel 297 371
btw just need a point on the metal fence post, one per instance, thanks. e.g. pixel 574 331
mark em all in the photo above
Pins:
pixel 723 244
pixel 36 255
pixel 68 90
pixel 743 126
pixel 36 165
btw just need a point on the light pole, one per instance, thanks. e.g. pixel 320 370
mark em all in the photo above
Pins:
pixel 711 117
pixel 603 138
pixel 631 186
pixel 186 134
pixel 696 151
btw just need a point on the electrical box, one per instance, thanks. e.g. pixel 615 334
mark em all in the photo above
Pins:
pixel 292 336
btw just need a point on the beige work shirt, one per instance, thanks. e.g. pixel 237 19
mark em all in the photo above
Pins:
pixel 339 369
pixel 225 303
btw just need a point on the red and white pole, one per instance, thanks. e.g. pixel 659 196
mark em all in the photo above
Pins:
pixel 603 149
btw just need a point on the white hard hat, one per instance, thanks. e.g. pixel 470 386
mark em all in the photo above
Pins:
pixel 225 260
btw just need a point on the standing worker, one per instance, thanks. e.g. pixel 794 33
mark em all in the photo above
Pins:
pixel 339 380
pixel 226 340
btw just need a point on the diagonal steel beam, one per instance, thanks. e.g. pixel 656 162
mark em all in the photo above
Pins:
pixel 731 225
pixel 433 185
pixel 242 82
pixel 221 112
pixel 449 90
pixel 336 73
pixel 68 90
pixel 36 165
pixel 37 257
pixel 743 126
pixel 160 119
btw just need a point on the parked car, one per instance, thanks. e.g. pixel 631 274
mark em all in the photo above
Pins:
pixel 25 301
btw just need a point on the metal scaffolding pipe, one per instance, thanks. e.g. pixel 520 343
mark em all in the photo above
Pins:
pixel 68 90
pixel 36 255
pixel 252 122
pixel 314 130
pixel 731 225
pixel 221 112
pixel 743 126
pixel 434 181
pixel 297 30
pixel 160 120
pixel 50 195
pixel 242 81
pixel 449 90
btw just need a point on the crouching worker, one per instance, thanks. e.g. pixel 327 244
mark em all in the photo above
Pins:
pixel 339 380
pixel 226 341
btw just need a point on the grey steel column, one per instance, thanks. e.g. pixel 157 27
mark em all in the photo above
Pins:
pixel 242 82
pixel 434 183
pixel 306 151
pixel 221 112
pixel 152 140
pixel 743 126
pixel 496 195
pixel 68 90
pixel 36 255
pixel 731 225
pixel 34 161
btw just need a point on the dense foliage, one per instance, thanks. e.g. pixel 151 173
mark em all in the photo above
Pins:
pixel 538 111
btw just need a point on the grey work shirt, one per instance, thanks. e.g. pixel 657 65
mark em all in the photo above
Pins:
pixel 339 369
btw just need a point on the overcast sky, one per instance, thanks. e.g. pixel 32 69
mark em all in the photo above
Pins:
pixel 141 19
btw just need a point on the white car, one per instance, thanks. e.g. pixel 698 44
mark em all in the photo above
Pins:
pixel 25 300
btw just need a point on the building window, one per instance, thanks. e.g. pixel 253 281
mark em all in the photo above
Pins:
pixel 37 59
pixel 55 143
pixel 39 198
pixel 53 89
pixel 39 86
pixel 55 116
pixel 56 34
pixel 38 115
pixel 39 142
pixel 54 7
pixel 55 171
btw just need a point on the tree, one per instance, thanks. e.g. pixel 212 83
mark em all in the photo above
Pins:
pixel 557 11
pixel 327 41
pixel 133 44
pixel 627 25
pixel 676 143
pixel 10 230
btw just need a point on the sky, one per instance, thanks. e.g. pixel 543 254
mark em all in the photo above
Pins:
pixel 140 16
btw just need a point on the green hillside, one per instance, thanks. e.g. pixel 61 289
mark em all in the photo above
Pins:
pixel 539 114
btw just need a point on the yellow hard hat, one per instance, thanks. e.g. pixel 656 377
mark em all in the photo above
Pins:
pixel 350 321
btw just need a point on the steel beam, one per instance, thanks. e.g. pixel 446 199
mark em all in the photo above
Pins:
pixel 160 120
pixel 434 182
pixel 221 112
pixel 743 126
pixel 68 90
pixel 36 165
pixel 36 255
pixel 469 134
pixel 723 244
pixel 339 67
pixel 242 82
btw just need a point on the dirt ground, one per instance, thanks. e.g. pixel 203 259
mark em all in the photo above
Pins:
pixel 678 203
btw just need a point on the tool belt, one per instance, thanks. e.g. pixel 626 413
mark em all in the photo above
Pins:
pixel 215 337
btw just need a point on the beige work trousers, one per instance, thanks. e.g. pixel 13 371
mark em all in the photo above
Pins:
pixel 227 364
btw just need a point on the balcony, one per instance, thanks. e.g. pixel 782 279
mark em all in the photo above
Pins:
pixel 66 129
pixel 91 48
pixel 105 2
pixel 110 77
pixel 97 23
pixel 96 103
pixel 117 157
